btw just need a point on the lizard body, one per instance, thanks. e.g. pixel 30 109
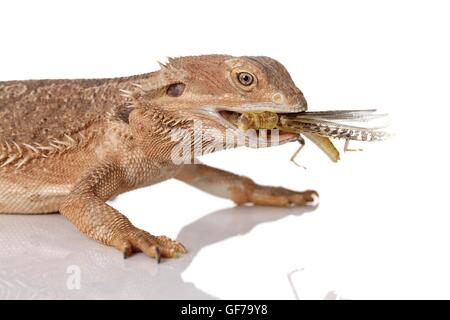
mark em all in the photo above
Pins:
pixel 70 145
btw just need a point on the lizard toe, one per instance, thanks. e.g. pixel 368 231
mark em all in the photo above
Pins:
pixel 156 247
pixel 172 245
pixel 302 198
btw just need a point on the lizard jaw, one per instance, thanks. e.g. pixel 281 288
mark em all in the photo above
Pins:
pixel 228 117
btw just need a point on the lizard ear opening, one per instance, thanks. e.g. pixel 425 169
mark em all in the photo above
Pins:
pixel 175 89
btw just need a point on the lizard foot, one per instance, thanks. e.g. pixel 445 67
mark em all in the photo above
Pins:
pixel 277 197
pixel 157 247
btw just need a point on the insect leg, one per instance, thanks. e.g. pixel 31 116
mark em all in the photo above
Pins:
pixel 302 144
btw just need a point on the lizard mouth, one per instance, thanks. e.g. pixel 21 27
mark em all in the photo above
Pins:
pixel 229 118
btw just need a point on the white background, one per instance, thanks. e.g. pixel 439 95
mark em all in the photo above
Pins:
pixel 382 227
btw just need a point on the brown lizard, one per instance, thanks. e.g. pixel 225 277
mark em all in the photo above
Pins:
pixel 68 146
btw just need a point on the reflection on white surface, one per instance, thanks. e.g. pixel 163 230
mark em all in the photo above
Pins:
pixel 382 228
pixel 45 257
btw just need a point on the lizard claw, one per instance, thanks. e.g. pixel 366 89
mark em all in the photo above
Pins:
pixel 157 254
pixel 127 251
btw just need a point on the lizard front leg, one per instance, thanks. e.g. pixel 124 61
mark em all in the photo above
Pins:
pixel 241 189
pixel 85 207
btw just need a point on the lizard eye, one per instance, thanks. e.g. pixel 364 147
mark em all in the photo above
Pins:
pixel 245 78
pixel 176 89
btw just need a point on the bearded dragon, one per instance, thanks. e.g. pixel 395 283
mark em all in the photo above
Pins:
pixel 68 146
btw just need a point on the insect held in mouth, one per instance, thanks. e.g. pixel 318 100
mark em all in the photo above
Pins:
pixel 258 120
pixel 319 127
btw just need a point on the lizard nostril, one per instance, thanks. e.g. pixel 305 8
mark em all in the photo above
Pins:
pixel 278 98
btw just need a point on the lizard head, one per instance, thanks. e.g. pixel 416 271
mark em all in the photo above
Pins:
pixel 216 89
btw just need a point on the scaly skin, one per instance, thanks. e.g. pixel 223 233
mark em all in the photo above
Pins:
pixel 70 145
